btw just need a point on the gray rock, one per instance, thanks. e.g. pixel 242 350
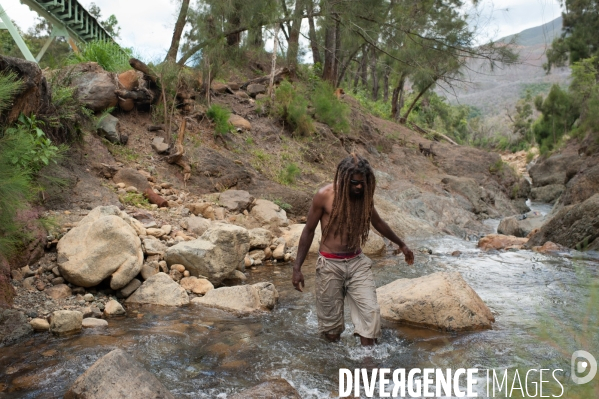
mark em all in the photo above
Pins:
pixel 159 145
pixel 241 299
pixel 130 288
pixel 117 376
pixel 235 200
pixel 59 291
pixel 160 289
pixel 91 322
pixel 108 127
pixel 196 285
pixel 100 247
pixel 516 226
pixel 260 238
pixel 66 322
pixel 197 225
pixel 273 389
pixel 549 193
pixel 13 326
pixel 215 255
pixel 255 88
pixel 113 308
pixel 269 213
pixel 153 246
pixel 149 269
pixel 94 86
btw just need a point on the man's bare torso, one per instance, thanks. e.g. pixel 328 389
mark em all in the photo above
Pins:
pixel 331 244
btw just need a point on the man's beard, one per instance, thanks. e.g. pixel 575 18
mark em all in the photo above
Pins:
pixel 356 196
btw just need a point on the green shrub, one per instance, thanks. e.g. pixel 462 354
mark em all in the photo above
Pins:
pixel 292 107
pixel 329 109
pixel 288 175
pixel 9 85
pixel 284 205
pixel 135 199
pixel 109 55
pixel 220 117
pixel 529 156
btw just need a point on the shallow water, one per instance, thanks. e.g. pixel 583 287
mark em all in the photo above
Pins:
pixel 206 353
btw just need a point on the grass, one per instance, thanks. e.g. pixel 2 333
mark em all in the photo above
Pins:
pixel 288 175
pixel 291 106
pixel 135 199
pixel 121 152
pixel 220 116
pixel 109 55
pixel 284 205
pixel 329 109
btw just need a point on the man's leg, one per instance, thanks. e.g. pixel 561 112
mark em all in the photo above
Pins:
pixel 330 278
pixel 361 297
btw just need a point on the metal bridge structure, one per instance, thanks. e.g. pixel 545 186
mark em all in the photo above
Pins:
pixel 68 18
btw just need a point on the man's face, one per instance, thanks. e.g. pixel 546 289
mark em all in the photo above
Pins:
pixel 356 186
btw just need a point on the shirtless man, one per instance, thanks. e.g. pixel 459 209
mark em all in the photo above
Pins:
pixel 345 210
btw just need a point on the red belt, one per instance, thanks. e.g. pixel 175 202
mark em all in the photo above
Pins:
pixel 340 256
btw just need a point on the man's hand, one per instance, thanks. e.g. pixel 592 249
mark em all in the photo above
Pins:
pixel 407 253
pixel 298 280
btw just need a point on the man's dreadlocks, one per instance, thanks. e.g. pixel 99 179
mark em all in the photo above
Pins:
pixel 350 215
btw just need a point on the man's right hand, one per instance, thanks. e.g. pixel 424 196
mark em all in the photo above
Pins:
pixel 298 280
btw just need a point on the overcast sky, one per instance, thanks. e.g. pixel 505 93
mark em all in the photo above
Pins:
pixel 147 25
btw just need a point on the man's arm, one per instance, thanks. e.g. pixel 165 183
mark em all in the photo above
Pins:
pixel 382 227
pixel 314 215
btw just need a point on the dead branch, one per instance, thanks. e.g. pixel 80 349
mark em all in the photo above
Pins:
pixel 177 157
pixel 278 76
pixel 143 68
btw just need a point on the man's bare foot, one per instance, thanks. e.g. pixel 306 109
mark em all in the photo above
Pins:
pixel 332 337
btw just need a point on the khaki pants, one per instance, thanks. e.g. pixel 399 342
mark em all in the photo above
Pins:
pixel 337 279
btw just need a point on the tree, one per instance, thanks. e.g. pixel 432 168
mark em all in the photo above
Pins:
pixel 171 55
pixel 110 25
pixel 579 39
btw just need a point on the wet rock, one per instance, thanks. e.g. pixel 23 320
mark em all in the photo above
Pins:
pixel 159 145
pixel 59 291
pixel 279 252
pixel 13 326
pixel 131 177
pixel 273 389
pixel 240 122
pixel 257 254
pixel 196 285
pixel 260 238
pixel 582 186
pixel 241 299
pixel 66 322
pixel 549 247
pixel 91 322
pixel 130 288
pixel 40 324
pixel 549 193
pixel 117 376
pixel 553 170
pixel 269 213
pixel 196 225
pixel 160 289
pixel 442 301
pixel 573 226
pixel 499 241
pixel 101 246
pixel 235 200
pixel 215 255
pixel 113 308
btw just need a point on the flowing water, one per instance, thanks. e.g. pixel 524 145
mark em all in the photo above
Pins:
pixel 206 353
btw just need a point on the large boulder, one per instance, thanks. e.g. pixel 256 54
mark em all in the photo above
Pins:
pixel 260 238
pixel 94 86
pixel 549 193
pixel 500 241
pixel 66 322
pixel 159 289
pixel 582 186
pixel 554 170
pixel 375 245
pixel 441 301
pixel 108 127
pixel 269 213
pixel 235 200
pixel 241 299
pixel 471 190
pixel 117 376
pixel 293 233
pixel 102 245
pixel 273 389
pixel 240 122
pixel 215 255
pixel 573 226
pixel 519 227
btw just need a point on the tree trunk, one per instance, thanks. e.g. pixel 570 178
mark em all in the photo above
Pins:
pixel 386 85
pixel 172 51
pixel 234 39
pixel 394 100
pixel 364 68
pixel 328 69
pixel 337 48
pixel 405 117
pixel 397 99
pixel 375 77
pixel 255 39
pixel 345 66
pixel 312 34
pixel 294 33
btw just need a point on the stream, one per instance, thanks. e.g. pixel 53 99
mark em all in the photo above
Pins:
pixel 206 353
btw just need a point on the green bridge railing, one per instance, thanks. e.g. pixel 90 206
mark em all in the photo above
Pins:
pixel 69 19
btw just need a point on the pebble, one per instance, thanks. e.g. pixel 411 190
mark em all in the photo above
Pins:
pixel 88 298
pixel 94 323
pixel 40 324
